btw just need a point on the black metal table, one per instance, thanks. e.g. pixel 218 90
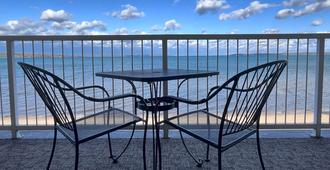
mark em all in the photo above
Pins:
pixel 154 78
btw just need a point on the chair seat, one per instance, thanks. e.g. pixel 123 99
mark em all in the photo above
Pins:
pixel 99 124
pixel 203 131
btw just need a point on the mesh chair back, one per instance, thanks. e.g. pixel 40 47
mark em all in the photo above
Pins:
pixel 51 90
pixel 247 94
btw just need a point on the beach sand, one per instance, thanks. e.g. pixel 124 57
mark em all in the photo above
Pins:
pixel 271 119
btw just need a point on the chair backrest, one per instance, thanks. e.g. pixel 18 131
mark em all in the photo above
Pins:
pixel 51 90
pixel 248 92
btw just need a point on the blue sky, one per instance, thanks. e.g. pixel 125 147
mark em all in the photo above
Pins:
pixel 163 16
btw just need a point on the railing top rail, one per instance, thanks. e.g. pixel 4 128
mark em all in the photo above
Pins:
pixel 162 37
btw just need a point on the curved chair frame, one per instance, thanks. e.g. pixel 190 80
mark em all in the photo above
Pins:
pixel 271 71
pixel 64 117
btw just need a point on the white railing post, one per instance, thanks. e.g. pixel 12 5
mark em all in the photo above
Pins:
pixel 165 83
pixel 12 86
pixel 319 70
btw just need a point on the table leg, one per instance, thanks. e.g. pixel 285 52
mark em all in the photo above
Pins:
pixel 155 128
pixel 144 141
pixel 158 143
pixel 154 146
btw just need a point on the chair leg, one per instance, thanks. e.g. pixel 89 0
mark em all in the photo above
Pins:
pixel 110 147
pixel 77 157
pixel 259 150
pixel 219 159
pixel 115 158
pixel 53 149
pixel 207 153
pixel 199 161
pixel 144 142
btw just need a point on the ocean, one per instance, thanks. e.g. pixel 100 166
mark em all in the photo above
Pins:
pixel 292 100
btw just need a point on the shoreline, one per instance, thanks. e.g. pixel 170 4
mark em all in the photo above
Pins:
pixel 192 120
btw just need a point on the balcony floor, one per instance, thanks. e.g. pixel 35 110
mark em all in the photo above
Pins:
pixel 278 154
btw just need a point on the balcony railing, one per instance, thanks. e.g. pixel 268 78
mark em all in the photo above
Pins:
pixel 300 99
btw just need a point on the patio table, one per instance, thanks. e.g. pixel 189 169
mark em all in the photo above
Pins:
pixel 154 78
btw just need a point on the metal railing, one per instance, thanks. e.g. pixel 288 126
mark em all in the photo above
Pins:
pixel 299 100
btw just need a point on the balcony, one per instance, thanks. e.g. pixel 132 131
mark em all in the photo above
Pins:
pixel 299 102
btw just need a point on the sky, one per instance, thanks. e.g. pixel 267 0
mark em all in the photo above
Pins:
pixel 84 17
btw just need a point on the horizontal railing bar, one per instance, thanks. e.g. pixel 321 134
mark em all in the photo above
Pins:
pixel 50 127
pixel 164 37
pixel 141 127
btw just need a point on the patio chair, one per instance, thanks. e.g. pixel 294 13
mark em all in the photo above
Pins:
pixel 241 98
pixel 54 93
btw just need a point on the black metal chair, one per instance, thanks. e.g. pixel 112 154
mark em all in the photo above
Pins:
pixel 54 93
pixel 243 97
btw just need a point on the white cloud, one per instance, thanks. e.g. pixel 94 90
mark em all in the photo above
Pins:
pixel 244 13
pixel 88 25
pixel 235 31
pixel 23 27
pixel 171 25
pixel 58 16
pixel 156 28
pixel 271 31
pixel 136 31
pixel 316 6
pixel 63 25
pixel 129 12
pixel 85 27
pixel 203 6
pixel 294 3
pixel 317 22
pixel 121 31
pixel 97 33
pixel 60 25
pixel 284 13
pixel 168 26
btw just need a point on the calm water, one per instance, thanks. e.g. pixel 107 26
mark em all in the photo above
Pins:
pixel 80 71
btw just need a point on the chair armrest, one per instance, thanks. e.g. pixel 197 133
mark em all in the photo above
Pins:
pixel 94 86
pixel 107 99
pixel 91 87
pixel 183 100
